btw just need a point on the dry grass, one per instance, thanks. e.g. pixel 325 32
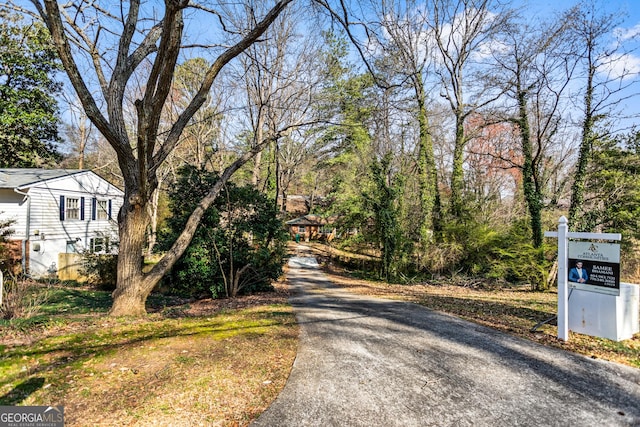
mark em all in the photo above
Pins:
pixel 214 363
pixel 220 362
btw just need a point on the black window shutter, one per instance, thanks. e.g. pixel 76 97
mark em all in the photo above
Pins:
pixel 109 208
pixel 94 208
pixel 81 208
pixel 61 208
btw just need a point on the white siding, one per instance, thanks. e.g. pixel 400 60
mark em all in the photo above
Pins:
pixel 14 206
pixel 48 234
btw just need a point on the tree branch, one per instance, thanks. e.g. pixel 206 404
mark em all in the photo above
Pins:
pixel 200 97
pixel 50 13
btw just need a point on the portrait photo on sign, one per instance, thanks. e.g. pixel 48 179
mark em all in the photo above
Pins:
pixel 578 271
pixel 594 266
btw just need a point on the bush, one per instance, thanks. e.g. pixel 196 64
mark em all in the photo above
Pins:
pixel 21 298
pixel 239 246
pixel 482 251
pixel 101 270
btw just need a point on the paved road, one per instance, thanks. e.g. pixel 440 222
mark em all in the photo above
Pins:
pixel 365 361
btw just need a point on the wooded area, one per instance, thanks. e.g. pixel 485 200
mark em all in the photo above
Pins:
pixel 450 133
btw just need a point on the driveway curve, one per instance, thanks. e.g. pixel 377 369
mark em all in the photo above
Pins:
pixel 365 361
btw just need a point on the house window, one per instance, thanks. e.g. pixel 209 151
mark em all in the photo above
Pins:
pixel 72 208
pixel 301 229
pixel 102 210
pixel 99 245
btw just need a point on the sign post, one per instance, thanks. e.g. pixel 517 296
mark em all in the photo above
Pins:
pixel 563 235
pixel 563 300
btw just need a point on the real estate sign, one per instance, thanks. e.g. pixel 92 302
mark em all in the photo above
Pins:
pixel 600 263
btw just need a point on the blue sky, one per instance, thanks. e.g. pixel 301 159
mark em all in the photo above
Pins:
pixel 627 11
pixel 629 7
pixel 628 30
pixel 630 24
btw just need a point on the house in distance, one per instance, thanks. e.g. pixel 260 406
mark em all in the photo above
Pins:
pixel 57 211
pixel 312 227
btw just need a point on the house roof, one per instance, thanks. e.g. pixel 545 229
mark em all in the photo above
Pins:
pixel 308 220
pixel 17 178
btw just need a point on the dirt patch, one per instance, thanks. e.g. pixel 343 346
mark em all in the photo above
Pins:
pixel 210 306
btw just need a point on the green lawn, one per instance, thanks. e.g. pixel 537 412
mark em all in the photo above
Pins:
pixel 218 362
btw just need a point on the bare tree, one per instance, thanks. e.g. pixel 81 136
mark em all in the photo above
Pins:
pixel 535 76
pixel 606 78
pixel 490 174
pixel 396 53
pixel 115 42
pixel 200 138
pixel 280 78
pixel 80 133
pixel 263 67
pixel 462 29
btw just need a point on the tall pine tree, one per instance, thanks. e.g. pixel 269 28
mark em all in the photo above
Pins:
pixel 28 106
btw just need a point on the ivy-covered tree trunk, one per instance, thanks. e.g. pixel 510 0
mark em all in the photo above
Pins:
pixel 531 192
pixel 383 202
pixel 429 197
pixel 586 145
pixel 457 170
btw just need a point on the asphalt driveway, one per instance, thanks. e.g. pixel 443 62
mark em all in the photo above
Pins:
pixel 364 361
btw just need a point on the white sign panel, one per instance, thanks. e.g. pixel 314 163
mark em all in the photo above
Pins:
pixel 594 267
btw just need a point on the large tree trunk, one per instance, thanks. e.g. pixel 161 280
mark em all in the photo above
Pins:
pixel 429 197
pixel 457 169
pixel 530 189
pixel 131 289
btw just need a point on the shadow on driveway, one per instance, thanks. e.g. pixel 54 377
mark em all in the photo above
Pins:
pixel 365 361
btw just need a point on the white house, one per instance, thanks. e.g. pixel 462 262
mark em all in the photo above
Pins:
pixel 58 211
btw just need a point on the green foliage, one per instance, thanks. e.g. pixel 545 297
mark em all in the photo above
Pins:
pixel 345 102
pixel 613 186
pixel 344 146
pixel 239 244
pixel 101 269
pixel 479 250
pixel 382 202
pixel 28 105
